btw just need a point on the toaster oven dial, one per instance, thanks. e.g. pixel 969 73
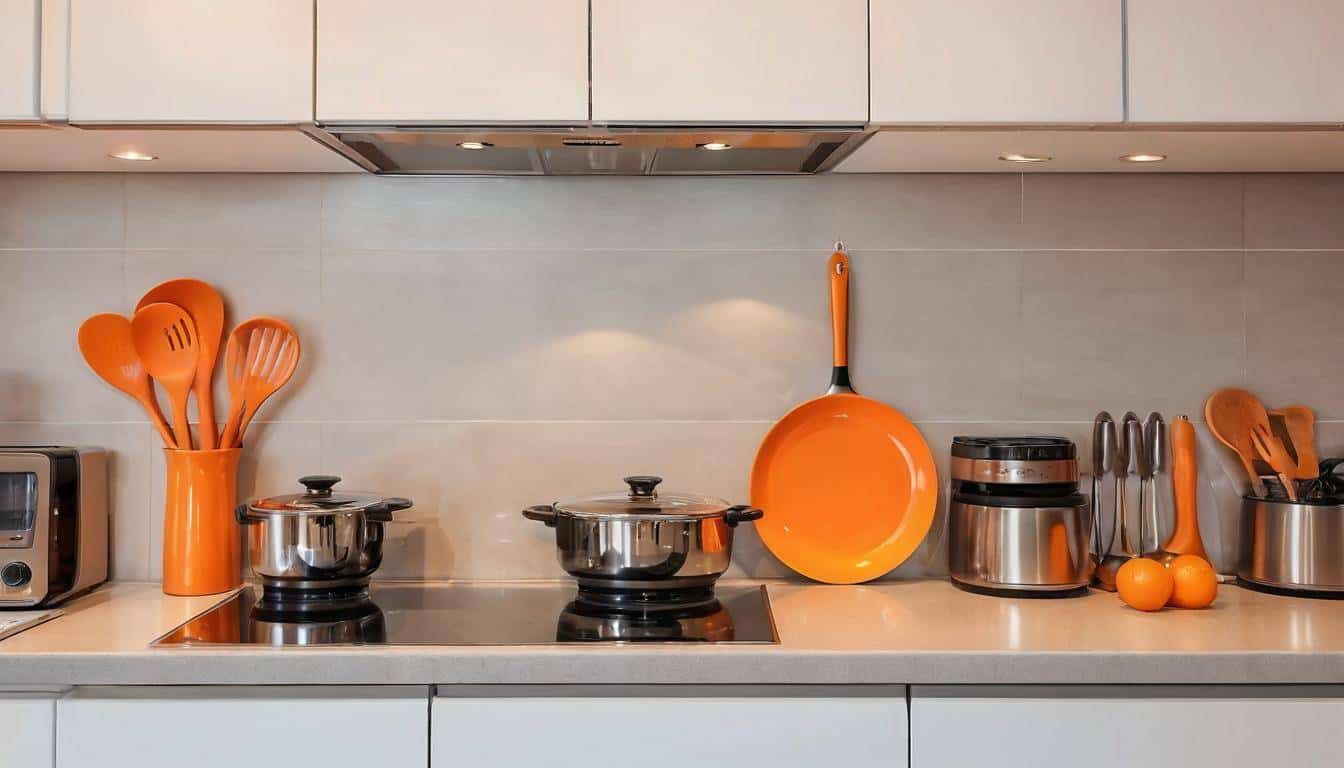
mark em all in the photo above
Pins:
pixel 16 574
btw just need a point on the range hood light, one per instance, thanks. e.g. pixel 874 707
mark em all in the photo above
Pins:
pixel 1013 157
pixel 1143 158
pixel 131 154
pixel 714 146
pixel 474 144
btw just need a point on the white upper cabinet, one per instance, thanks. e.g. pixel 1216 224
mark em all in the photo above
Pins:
pixel 730 61
pixel 997 61
pixel 18 60
pixel 1236 61
pixel 191 61
pixel 452 61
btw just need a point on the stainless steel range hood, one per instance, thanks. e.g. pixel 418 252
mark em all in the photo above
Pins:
pixel 628 151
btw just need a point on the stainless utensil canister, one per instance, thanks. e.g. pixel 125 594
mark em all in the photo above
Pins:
pixel 1292 547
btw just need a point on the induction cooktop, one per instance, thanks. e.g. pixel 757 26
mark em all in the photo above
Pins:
pixel 392 613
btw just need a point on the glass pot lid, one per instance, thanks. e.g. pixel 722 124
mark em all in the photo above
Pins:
pixel 643 499
pixel 319 498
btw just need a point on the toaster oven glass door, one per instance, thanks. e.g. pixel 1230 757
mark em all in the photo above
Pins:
pixel 18 503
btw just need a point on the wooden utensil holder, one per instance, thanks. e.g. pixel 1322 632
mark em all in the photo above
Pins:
pixel 202 548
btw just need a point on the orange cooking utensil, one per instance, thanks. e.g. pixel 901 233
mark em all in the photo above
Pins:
pixel 1185 538
pixel 105 341
pixel 165 339
pixel 1231 415
pixel 259 359
pixel 1300 422
pixel 847 483
pixel 1271 450
pixel 206 308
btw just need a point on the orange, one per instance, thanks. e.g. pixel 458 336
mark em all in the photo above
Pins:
pixel 1196 583
pixel 1144 584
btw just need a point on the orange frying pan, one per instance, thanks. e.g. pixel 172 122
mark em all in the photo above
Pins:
pixel 847 483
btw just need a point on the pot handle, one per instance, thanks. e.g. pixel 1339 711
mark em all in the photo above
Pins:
pixel 542 513
pixel 383 512
pixel 741 514
pixel 240 514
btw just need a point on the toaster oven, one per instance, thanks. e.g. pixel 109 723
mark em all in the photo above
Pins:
pixel 53 523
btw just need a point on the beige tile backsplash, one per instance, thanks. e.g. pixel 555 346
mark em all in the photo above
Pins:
pixel 482 345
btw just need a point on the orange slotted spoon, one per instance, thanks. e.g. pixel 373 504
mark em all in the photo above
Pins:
pixel 165 338
pixel 259 359
pixel 105 341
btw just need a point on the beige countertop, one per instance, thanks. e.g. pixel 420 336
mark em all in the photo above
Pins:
pixel 897 632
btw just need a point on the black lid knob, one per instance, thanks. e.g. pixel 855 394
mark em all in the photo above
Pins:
pixel 642 486
pixel 319 485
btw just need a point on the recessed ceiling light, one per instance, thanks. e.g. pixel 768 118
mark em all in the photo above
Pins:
pixel 1013 157
pixel 133 155
pixel 714 146
pixel 1143 158
pixel 474 144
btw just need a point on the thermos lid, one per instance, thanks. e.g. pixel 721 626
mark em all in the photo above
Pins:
pixel 1015 448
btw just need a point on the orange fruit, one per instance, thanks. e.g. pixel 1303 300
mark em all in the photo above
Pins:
pixel 1196 583
pixel 1144 584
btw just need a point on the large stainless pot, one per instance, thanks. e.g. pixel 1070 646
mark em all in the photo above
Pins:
pixel 319 538
pixel 1292 547
pixel 643 540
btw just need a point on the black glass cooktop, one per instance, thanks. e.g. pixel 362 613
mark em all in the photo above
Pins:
pixel 458 614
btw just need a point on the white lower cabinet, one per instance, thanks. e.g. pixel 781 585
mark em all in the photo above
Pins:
pixel 669 728
pixel 233 726
pixel 1124 726
pixel 27 728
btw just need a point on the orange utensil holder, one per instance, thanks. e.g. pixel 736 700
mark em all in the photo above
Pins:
pixel 202 548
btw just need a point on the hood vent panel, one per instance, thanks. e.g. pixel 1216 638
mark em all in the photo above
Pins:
pixel 625 152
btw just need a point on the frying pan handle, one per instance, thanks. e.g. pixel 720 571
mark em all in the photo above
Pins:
pixel 741 514
pixel 838 269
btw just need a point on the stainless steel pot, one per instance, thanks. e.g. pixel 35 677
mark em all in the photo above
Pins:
pixel 319 538
pixel 642 540
pixel 1293 547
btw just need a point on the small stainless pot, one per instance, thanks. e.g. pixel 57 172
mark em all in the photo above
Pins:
pixel 319 538
pixel 641 540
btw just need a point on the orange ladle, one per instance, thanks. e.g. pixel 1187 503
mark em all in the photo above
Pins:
pixel 259 359
pixel 165 338
pixel 206 308
pixel 105 341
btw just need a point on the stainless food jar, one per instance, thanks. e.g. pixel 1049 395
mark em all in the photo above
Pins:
pixel 643 540
pixel 317 539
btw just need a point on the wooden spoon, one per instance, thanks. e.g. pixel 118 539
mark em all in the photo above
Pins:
pixel 206 308
pixel 1231 415
pixel 1301 424
pixel 165 339
pixel 1271 450
pixel 259 359
pixel 105 341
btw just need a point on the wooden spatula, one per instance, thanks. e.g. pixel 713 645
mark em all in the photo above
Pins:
pixel 259 358
pixel 1271 450
pixel 165 339
pixel 1232 414
pixel 1300 422
pixel 105 341
pixel 206 308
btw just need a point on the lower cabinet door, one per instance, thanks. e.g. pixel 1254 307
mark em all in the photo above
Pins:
pixel 1125 726
pixel 741 729
pixel 235 727
pixel 27 728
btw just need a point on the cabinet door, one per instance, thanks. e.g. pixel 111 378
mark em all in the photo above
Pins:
pixel 191 61
pixel 1233 61
pixel 997 61
pixel 18 59
pixel 668 732
pixel 447 61
pixel 229 726
pixel 27 729
pixel 730 61
pixel 1124 726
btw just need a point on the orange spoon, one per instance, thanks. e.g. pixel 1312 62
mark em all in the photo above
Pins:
pixel 259 359
pixel 165 339
pixel 105 341
pixel 206 308
pixel 1232 414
